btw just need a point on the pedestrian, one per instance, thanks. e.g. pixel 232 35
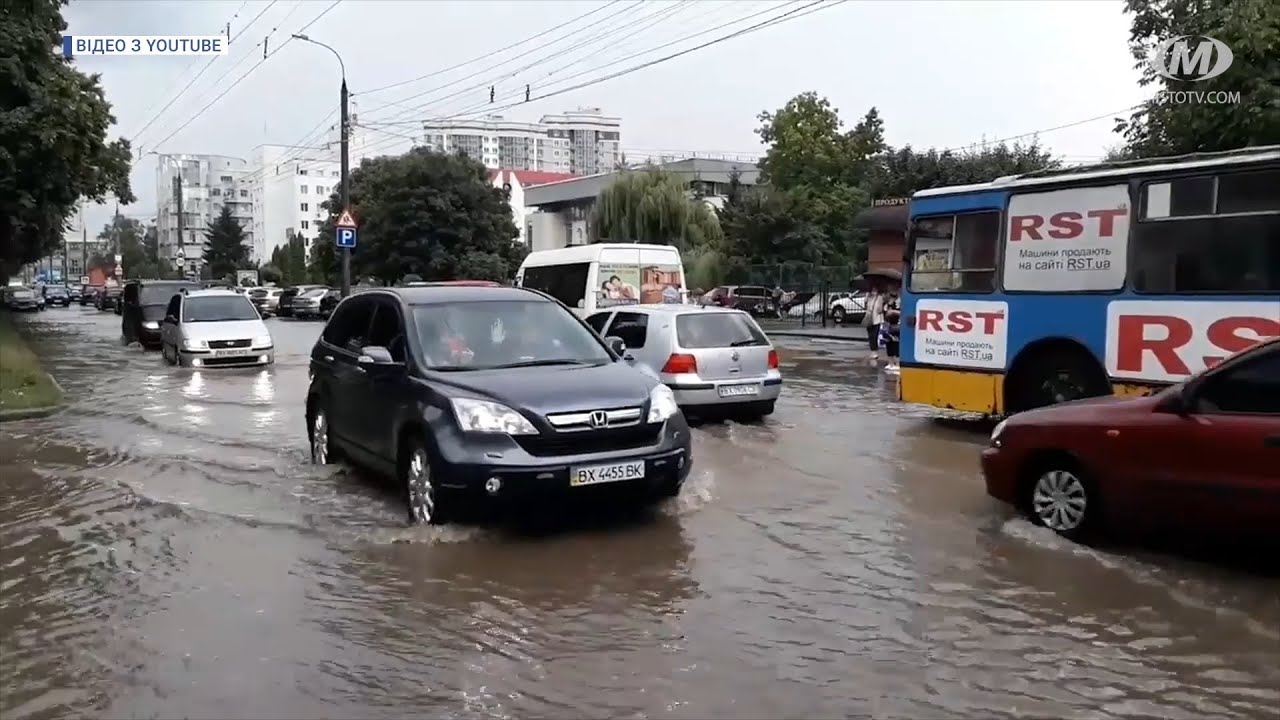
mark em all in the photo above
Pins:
pixel 873 318
pixel 890 331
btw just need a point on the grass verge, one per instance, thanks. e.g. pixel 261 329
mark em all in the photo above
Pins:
pixel 24 384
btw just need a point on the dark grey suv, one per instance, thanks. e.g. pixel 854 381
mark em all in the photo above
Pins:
pixel 488 393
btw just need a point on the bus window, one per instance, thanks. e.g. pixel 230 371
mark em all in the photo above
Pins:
pixel 1236 250
pixel 955 253
pixel 566 283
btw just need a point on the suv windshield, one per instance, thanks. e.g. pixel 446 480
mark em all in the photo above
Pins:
pixel 717 330
pixel 218 309
pixel 55 291
pixel 486 335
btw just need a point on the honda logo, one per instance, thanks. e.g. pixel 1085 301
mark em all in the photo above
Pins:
pixel 599 418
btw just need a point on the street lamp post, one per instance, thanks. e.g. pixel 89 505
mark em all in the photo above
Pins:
pixel 345 135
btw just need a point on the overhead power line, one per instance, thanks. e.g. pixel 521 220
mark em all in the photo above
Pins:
pixel 1033 133
pixel 249 72
pixel 488 54
pixel 198 75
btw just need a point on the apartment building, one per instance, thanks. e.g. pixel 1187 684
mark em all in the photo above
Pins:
pixel 288 187
pixel 579 142
pixel 206 183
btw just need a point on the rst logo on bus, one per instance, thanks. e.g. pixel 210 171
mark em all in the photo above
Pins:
pixel 962 333
pixel 1167 341
pixel 1067 240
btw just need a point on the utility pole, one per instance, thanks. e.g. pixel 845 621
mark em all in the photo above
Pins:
pixel 177 199
pixel 346 185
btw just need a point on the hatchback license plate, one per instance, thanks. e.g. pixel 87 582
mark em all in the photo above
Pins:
pixel 739 390
pixel 228 353
pixel 596 474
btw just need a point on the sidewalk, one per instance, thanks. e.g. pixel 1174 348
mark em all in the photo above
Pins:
pixel 814 330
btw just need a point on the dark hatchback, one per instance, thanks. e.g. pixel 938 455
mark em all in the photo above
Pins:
pixel 56 295
pixel 475 393
pixel 142 308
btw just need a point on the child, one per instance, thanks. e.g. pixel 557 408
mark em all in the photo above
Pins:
pixel 889 334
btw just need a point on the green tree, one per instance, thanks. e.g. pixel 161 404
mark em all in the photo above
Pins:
pixel 271 274
pixel 652 206
pixel 224 247
pixel 816 174
pixel 902 171
pixel 53 126
pixel 128 238
pixel 429 214
pixel 1251 29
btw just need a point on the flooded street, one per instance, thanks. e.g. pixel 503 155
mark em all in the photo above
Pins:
pixel 167 550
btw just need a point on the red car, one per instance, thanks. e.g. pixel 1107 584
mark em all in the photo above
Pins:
pixel 1203 455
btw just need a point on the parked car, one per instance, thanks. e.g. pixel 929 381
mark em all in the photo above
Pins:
pixel 848 307
pixel 107 297
pixel 1202 455
pixel 21 299
pixel 266 299
pixel 329 301
pixel 143 304
pixel 89 294
pixel 713 359
pixel 73 293
pixel 214 328
pixel 755 299
pixel 284 305
pixel 489 393
pixel 305 305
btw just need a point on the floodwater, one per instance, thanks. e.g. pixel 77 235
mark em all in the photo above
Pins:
pixel 166 550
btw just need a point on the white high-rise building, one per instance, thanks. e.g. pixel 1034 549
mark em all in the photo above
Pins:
pixel 580 142
pixel 289 187
pixel 208 182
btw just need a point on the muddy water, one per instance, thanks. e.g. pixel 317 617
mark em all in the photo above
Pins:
pixel 166 551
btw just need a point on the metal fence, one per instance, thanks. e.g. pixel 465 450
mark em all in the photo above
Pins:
pixel 792 276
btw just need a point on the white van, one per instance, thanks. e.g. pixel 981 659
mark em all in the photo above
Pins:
pixel 590 277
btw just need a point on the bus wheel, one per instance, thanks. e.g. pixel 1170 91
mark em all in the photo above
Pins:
pixel 1051 375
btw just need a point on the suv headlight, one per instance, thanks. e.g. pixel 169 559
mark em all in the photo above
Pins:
pixel 490 417
pixel 662 404
pixel 189 344
pixel 262 342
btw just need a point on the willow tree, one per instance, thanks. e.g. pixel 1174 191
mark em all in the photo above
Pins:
pixel 654 206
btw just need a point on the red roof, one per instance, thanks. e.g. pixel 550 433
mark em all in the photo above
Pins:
pixel 527 178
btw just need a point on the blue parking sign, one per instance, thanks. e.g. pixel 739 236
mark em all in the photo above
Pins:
pixel 346 237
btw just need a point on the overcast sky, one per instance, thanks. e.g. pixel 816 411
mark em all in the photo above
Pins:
pixel 947 73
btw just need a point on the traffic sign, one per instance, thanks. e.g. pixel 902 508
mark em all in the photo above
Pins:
pixel 346 237
pixel 345 220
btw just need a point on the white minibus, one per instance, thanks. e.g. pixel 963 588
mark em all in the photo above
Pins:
pixel 590 277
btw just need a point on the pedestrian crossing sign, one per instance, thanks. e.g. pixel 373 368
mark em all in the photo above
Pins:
pixel 345 220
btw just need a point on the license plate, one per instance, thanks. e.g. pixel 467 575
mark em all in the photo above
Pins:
pixel 228 353
pixel 596 474
pixel 739 390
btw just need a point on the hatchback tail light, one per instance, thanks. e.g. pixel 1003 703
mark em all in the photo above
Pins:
pixel 773 359
pixel 680 364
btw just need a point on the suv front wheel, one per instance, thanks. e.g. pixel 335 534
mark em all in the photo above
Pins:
pixel 419 482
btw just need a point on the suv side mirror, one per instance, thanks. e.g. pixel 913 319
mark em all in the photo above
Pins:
pixel 1179 401
pixel 375 355
pixel 617 345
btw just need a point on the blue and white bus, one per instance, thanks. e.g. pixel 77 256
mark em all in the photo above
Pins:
pixel 1109 279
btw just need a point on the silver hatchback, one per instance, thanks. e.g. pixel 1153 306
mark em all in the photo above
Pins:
pixel 713 359
pixel 214 328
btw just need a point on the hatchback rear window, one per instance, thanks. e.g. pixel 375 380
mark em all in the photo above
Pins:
pixel 715 330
